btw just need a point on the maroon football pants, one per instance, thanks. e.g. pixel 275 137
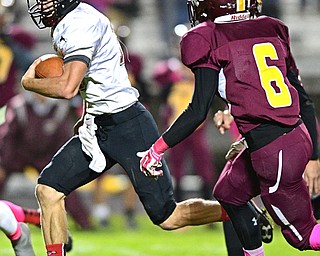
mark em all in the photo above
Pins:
pixel 276 172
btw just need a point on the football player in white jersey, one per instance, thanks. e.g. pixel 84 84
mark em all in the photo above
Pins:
pixel 115 125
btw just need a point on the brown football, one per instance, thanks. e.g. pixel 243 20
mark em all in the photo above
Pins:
pixel 51 66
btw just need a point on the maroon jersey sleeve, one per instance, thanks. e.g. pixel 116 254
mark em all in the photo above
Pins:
pixel 196 49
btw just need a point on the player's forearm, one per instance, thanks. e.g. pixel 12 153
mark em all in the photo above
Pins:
pixel 49 87
pixel 206 84
pixel 65 86
pixel 185 125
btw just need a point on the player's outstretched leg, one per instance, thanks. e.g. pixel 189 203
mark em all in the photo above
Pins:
pixel 194 212
pixel 53 219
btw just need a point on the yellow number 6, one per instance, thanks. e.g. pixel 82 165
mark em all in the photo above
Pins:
pixel 269 74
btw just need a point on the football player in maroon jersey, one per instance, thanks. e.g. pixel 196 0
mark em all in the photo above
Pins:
pixel 224 121
pixel 252 55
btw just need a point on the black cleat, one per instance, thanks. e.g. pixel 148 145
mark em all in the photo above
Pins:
pixel 68 245
pixel 266 228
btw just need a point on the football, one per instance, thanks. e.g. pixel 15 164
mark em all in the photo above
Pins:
pixel 50 66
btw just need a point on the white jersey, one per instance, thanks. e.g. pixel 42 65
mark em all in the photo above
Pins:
pixel 85 34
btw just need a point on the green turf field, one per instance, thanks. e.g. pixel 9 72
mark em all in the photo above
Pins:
pixel 150 240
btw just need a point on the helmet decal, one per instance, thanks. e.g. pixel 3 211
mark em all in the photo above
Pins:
pixel 203 10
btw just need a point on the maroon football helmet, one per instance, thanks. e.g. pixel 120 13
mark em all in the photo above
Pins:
pixel 202 10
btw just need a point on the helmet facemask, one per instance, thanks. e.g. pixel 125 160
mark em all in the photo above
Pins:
pixel 43 12
pixel 47 13
pixel 191 13
pixel 255 8
pixel 199 11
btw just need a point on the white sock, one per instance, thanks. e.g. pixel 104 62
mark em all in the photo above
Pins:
pixel 8 223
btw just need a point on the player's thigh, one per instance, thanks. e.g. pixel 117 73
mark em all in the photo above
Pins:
pixel 282 162
pixel 238 182
pixel 68 169
pixel 122 144
pixel 280 166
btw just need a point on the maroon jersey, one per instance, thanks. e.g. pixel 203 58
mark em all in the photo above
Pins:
pixel 252 55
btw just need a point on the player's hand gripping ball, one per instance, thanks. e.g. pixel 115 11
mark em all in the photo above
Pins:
pixel 50 66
